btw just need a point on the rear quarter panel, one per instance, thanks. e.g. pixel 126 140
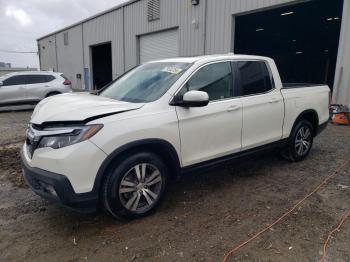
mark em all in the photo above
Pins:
pixel 298 100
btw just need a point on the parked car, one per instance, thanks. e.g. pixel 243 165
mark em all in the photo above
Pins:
pixel 31 87
pixel 164 118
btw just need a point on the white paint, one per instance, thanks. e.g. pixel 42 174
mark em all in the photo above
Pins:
pixel 197 134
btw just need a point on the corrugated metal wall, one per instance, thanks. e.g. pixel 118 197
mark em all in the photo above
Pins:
pixel 165 43
pixel 203 29
pixel 174 14
pixel 70 57
pixel 207 28
pixel 105 28
pixel 47 49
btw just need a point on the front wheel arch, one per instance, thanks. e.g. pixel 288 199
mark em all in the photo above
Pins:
pixel 159 147
pixel 120 204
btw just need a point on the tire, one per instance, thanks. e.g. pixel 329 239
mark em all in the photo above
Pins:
pixel 300 142
pixel 135 187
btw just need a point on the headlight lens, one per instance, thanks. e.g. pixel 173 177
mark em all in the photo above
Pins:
pixel 79 134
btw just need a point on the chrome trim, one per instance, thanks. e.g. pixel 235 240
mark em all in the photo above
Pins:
pixel 52 131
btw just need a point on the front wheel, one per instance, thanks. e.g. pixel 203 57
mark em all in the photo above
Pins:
pixel 136 186
pixel 300 142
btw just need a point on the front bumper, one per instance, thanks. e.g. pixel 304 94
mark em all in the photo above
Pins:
pixel 57 188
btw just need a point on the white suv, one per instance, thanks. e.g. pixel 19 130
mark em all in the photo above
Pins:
pixel 161 119
pixel 31 87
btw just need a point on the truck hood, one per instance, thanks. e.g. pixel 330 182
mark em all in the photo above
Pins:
pixel 78 107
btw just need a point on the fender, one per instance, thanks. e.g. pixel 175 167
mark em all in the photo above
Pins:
pixel 304 114
pixel 152 144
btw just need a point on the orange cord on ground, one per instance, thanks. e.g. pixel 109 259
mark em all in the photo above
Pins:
pixel 342 221
pixel 325 181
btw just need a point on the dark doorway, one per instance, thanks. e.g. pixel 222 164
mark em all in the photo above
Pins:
pixel 101 56
pixel 302 38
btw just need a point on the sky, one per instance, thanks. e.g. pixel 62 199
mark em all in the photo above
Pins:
pixel 23 21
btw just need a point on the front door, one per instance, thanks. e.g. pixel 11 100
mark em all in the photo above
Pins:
pixel 13 90
pixel 215 130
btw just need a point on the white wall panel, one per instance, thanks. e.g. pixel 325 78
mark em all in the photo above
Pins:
pixel 70 57
pixel 102 29
pixel 47 49
pixel 179 14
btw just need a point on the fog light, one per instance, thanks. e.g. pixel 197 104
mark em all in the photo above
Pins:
pixel 49 189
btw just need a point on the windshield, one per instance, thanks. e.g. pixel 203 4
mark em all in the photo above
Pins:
pixel 145 83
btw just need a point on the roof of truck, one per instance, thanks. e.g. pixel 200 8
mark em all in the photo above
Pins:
pixel 208 58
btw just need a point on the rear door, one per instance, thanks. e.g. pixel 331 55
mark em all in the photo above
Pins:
pixel 38 86
pixel 263 106
pixel 212 131
pixel 13 90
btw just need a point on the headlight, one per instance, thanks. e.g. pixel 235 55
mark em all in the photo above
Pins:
pixel 72 136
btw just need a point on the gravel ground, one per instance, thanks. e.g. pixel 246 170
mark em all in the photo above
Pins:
pixel 13 123
pixel 202 217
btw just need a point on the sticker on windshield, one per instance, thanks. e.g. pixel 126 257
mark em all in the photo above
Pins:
pixel 172 70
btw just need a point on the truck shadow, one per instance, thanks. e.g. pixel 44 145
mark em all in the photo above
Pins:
pixel 193 188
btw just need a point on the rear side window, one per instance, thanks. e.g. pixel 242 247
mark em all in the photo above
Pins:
pixel 63 76
pixel 255 77
pixel 49 78
pixel 15 80
pixel 215 79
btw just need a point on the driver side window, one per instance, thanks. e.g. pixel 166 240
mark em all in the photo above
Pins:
pixel 215 79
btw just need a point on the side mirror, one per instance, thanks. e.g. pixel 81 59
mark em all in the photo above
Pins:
pixel 1 83
pixel 195 99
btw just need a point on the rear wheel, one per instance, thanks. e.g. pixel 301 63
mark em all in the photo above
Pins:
pixel 300 142
pixel 136 186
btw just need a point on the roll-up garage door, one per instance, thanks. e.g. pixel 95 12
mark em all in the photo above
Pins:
pixel 159 45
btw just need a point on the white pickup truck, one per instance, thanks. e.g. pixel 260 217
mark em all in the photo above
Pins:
pixel 119 148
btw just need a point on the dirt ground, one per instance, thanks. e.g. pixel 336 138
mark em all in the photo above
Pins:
pixel 202 217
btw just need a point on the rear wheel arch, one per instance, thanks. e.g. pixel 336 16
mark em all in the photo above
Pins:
pixel 311 116
pixel 159 147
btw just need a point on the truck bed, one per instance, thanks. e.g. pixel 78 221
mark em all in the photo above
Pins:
pixel 299 85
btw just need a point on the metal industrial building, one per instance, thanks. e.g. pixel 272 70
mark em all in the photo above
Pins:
pixel 309 39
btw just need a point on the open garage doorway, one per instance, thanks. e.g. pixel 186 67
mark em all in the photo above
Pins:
pixel 302 38
pixel 101 61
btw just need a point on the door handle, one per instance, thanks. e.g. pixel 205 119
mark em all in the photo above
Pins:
pixel 273 100
pixel 233 108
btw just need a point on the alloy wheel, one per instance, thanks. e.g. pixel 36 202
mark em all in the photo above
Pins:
pixel 140 188
pixel 303 141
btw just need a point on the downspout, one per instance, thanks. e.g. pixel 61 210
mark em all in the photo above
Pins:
pixel 205 26
pixel 56 53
